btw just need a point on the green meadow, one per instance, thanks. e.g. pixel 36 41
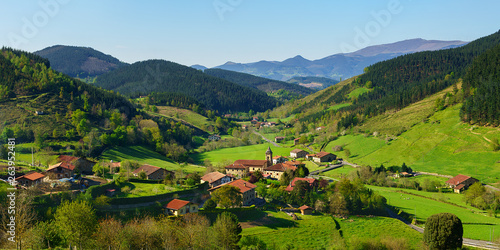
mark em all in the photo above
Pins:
pixel 441 145
pixel 317 231
pixel 146 156
pixel 476 223
pixel 251 152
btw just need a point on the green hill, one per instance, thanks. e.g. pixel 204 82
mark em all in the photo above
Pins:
pixel 264 84
pixel 28 85
pixel 145 77
pixel 79 62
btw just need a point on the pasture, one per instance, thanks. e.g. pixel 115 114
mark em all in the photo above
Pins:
pixel 476 223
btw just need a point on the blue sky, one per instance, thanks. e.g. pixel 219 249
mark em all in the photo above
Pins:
pixel 211 32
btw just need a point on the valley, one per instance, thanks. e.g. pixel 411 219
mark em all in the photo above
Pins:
pixel 160 150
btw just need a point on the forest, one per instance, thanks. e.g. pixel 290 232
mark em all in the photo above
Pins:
pixel 264 84
pixel 145 77
pixel 482 89
pixel 398 82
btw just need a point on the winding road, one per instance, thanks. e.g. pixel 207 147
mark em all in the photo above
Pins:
pixel 263 137
pixel 467 242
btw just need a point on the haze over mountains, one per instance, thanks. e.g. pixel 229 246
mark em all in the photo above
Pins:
pixel 338 65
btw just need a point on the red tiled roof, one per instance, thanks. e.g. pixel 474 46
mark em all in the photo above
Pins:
pixel 114 164
pixel 322 154
pixel 457 179
pixel 297 150
pixel 32 177
pixel 65 165
pixel 238 166
pixel 458 187
pixel 294 163
pixel 281 167
pixel 211 177
pixel 148 169
pixel 176 204
pixel 309 180
pixel 296 139
pixel 67 158
pixel 305 207
pixel 276 167
pixel 243 185
pixel 278 156
pixel 253 163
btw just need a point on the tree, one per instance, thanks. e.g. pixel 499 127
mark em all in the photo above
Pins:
pixel 338 204
pixel 77 222
pixel 252 243
pixel 227 230
pixel 443 231
pixel 143 175
pixel 209 205
pixel 108 234
pixel 227 196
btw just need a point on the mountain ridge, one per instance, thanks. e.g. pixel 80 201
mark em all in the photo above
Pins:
pixel 340 65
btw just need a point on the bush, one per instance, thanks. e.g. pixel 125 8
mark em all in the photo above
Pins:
pixel 209 205
pixel 443 231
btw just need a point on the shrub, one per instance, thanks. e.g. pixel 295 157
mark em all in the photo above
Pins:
pixel 443 231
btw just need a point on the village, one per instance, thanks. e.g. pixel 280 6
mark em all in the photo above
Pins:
pixel 242 175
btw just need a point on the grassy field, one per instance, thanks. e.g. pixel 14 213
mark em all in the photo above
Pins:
pixel 146 156
pixel 357 92
pixel 441 145
pixel 185 115
pixel 145 189
pixel 477 224
pixel 315 231
pixel 252 152
pixel 335 107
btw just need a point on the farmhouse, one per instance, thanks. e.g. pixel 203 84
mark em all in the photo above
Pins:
pixel 214 137
pixel 82 165
pixel 312 183
pixel 460 182
pixel 279 139
pixel 298 153
pixel 60 170
pixel 296 141
pixel 279 159
pixel 275 171
pixel 114 167
pixel 215 179
pixel 179 207
pixel 247 190
pixel 30 179
pixel 152 172
pixel 322 157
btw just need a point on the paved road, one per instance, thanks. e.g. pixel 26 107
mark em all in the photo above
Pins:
pixel 263 137
pixel 467 242
pixel 331 167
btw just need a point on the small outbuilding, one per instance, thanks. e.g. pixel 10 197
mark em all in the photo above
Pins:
pixel 306 210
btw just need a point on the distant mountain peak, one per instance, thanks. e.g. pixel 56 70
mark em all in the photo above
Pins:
pixel 338 65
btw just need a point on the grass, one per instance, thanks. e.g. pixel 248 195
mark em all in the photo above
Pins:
pixel 315 231
pixel 338 173
pixel 185 115
pixel 476 224
pixel 338 106
pixel 357 92
pixel 251 152
pixel 144 155
pixel 442 145
pixel 379 227
pixel 145 189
